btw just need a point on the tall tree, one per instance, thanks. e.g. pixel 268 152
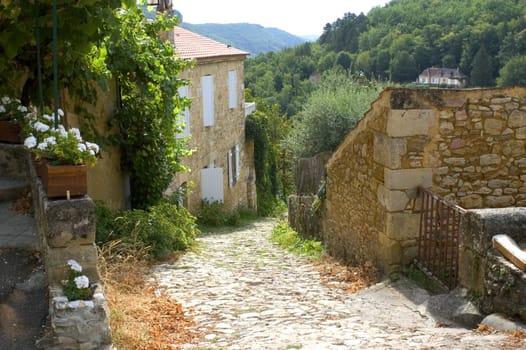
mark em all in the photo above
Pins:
pixel 513 72
pixel 482 70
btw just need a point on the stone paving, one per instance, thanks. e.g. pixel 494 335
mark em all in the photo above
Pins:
pixel 245 293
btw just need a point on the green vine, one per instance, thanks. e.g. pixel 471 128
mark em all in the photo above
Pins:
pixel 146 70
pixel 108 39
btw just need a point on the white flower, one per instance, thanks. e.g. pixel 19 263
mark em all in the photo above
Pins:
pixel 6 100
pixel 48 117
pixel 81 147
pixel 74 265
pixel 42 146
pixel 82 282
pixel 76 133
pixel 93 147
pixel 52 140
pixel 2 109
pixel 41 127
pixel 92 152
pixel 30 142
pixel 62 131
pixel 60 113
pixel 22 109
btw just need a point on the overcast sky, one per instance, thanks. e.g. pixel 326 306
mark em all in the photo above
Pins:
pixel 297 17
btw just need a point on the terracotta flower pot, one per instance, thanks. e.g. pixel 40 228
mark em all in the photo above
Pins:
pixel 9 132
pixel 59 179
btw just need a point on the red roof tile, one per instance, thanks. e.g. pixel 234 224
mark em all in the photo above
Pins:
pixel 192 45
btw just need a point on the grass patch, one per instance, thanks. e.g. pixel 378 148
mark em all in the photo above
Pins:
pixel 289 239
pixel 217 218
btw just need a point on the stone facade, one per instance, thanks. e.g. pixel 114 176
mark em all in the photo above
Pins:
pixel 467 145
pixel 211 144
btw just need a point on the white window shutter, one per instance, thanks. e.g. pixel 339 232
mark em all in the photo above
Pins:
pixel 183 92
pixel 232 89
pixel 207 88
pixel 230 169
pixel 238 170
pixel 212 184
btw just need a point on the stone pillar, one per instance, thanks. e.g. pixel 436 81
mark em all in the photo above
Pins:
pixel 398 152
pixel 66 229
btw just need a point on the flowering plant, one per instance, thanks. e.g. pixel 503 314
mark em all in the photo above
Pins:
pixel 58 146
pixel 77 286
pixel 11 109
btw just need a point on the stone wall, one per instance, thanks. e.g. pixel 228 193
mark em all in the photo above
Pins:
pixel 499 285
pixel 66 230
pixel 467 145
pixel 210 144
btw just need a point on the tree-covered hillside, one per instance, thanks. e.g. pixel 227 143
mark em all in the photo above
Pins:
pixel 403 38
pixel 486 39
pixel 252 38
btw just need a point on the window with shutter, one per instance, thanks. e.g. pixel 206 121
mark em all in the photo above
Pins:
pixel 185 115
pixel 212 184
pixel 232 89
pixel 207 91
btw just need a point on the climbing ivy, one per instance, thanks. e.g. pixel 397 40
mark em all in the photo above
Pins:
pixel 81 27
pixel 146 70
pixel 108 39
pixel 267 128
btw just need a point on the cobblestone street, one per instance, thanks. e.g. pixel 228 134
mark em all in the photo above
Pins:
pixel 245 293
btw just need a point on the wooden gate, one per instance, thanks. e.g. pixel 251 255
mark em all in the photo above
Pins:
pixel 438 241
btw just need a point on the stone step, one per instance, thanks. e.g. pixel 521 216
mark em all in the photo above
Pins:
pixel 17 230
pixel 12 188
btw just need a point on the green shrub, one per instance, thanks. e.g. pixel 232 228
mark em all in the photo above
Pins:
pixel 164 228
pixel 289 239
pixel 105 222
pixel 217 214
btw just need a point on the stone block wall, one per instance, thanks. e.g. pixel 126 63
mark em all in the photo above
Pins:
pixel 499 285
pixel 467 145
pixel 66 230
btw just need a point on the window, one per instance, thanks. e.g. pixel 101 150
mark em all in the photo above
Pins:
pixel 185 115
pixel 234 169
pixel 232 89
pixel 207 91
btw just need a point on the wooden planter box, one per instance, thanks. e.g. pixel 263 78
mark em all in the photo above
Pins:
pixel 59 179
pixel 9 132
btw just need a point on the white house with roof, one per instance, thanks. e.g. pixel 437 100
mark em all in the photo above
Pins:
pixel 447 77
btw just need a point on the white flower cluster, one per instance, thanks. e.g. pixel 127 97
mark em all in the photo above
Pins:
pixel 74 265
pixel 12 109
pixel 81 281
pixel 51 143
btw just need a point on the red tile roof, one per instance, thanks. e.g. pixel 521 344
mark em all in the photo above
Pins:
pixel 192 45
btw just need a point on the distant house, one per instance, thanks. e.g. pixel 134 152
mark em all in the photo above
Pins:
pixel 221 166
pixel 447 77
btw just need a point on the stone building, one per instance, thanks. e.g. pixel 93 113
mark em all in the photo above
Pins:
pixel 220 167
pixel 466 145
